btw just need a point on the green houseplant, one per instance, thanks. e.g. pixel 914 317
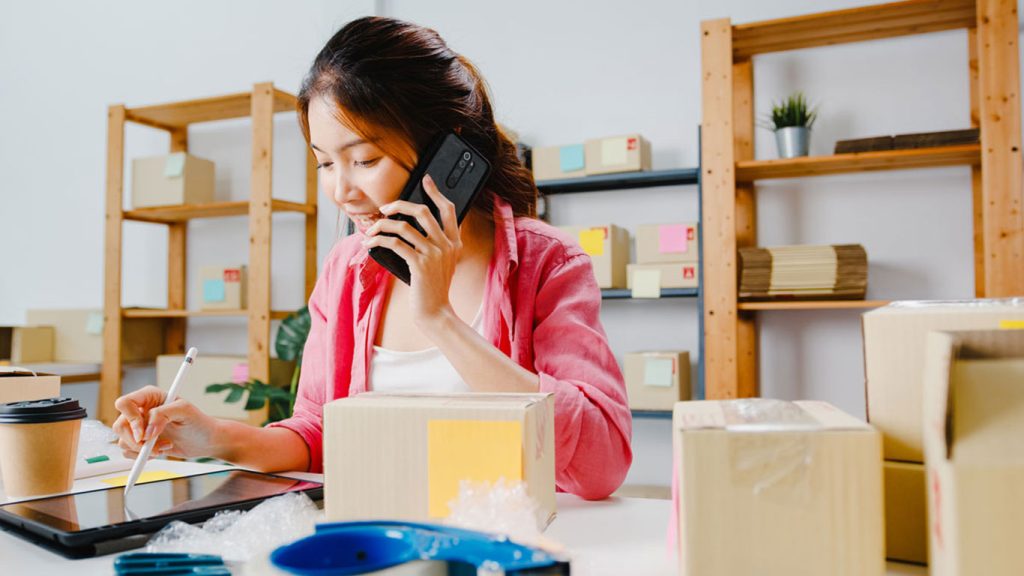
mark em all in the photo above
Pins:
pixel 289 343
pixel 791 121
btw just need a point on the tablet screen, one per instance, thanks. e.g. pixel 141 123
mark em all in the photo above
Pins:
pixel 88 510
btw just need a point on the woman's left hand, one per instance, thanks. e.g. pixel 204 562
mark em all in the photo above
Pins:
pixel 431 258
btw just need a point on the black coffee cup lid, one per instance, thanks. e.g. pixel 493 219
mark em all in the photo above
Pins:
pixel 41 411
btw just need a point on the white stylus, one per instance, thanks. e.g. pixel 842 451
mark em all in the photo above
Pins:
pixel 147 448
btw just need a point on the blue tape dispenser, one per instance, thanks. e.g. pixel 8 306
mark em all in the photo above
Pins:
pixel 347 548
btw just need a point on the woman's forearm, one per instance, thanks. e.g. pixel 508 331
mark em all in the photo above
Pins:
pixel 483 367
pixel 262 449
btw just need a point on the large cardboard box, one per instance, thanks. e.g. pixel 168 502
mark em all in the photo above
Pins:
pixel 608 248
pixel 79 335
pixel 906 512
pixel 26 344
pixel 894 348
pixel 223 288
pixel 208 370
pixel 974 423
pixel 665 243
pixel 678 275
pixel 19 385
pixel 657 380
pixel 402 456
pixel 172 180
pixel 627 153
pixel 557 162
pixel 777 488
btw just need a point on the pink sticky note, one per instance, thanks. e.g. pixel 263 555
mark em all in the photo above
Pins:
pixel 240 373
pixel 672 238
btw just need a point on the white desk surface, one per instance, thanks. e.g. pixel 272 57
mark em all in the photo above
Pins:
pixel 610 537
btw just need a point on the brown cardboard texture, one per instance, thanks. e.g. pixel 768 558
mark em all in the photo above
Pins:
pixel 678 275
pixel 776 488
pixel 223 288
pixel 667 243
pixel 608 248
pixel 894 349
pixel 547 162
pixel 906 512
pixel 19 385
pixel 172 180
pixel 26 344
pixel 79 335
pixel 208 370
pixel 402 456
pixel 657 380
pixel 974 422
pixel 626 153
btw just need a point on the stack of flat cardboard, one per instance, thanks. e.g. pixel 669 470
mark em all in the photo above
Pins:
pixel 804 272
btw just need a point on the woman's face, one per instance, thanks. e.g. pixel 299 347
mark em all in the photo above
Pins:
pixel 355 173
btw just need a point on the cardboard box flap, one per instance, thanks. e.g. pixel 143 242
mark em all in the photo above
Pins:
pixel 945 306
pixel 483 400
pixel 15 371
pixel 763 415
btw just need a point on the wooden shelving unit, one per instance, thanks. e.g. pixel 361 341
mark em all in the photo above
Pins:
pixel 729 171
pixel 260 104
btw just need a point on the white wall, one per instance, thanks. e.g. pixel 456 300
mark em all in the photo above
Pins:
pixel 560 72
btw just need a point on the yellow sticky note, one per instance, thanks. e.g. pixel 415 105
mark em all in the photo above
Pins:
pixel 646 283
pixel 592 241
pixel 146 476
pixel 1011 324
pixel 476 450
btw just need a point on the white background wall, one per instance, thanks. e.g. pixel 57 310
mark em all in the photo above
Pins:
pixel 559 72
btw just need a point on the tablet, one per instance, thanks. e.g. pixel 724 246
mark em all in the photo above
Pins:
pixel 101 521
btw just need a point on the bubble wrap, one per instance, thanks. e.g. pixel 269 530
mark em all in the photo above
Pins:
pixel 502 508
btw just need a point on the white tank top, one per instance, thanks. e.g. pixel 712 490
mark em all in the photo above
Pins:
pixel 417 371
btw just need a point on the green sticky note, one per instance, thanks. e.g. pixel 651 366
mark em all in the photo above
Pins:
pixel 94 323
pixel 174 166
pixel 96 459
pixel 571 158
pixel 213 290
pixel 658 372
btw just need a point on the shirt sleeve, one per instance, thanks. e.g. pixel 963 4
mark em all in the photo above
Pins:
pixel 593 425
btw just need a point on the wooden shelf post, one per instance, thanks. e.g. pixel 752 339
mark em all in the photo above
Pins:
pixel 110 373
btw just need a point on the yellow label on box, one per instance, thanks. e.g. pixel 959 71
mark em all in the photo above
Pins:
pixel 146 476
pixel 476 450
pixel 592 241
pixel 1011 324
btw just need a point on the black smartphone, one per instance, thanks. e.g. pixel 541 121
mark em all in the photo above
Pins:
pixel 459 171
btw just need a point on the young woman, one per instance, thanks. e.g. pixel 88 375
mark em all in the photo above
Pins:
pixel 502 303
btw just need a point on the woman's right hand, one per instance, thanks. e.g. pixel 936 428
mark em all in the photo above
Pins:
pixel 184 431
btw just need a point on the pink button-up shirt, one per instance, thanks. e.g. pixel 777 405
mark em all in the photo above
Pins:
pixel 541 308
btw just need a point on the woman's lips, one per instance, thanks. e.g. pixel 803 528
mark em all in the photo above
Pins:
pixel 365 219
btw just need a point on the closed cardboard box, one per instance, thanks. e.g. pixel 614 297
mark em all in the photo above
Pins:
pixel 608 248
pixel 776 488
pixel 172 180
pixel 906 512
pixel 628 153
pixel 79 335
pixel 657 380
pixel 974 423
pixel 556 162
pixel 208 370
pixel 26 344
pixel 678 275
pixel 19 385
pixel 661 243
pixel 894 348
pixel 223 288
pixel 402 456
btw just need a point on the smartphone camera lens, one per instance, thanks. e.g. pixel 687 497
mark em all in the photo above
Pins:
pixel 466 156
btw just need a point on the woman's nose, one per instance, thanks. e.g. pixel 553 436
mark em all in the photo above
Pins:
pixel 344 191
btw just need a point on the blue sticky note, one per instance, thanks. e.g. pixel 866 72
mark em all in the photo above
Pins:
pixel 571 157
pixel 658 372
pixel 174 165
pixel 213 290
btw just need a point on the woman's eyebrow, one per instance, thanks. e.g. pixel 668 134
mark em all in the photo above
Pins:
pixel 343 147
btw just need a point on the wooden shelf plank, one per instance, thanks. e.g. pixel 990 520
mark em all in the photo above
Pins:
pixel 813 305
pixel 851 25
pixel 749 171
pixel 169 214
pixel 163 313
pixel 181 114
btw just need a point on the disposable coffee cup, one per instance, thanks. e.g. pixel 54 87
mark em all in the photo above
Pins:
pixel 38 445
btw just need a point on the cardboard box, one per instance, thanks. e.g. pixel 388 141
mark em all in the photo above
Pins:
pixel 608 247
pixel 974 423
pixel 79 335
pixel 223 288
pixel 665 243
pixel 906 512
pixel 627 153
pixel 402 456
pixel 19 385
pixel 172 180
pixel 657 380
pixel 216 370
pixel 678 275
pixel 557 162
pixel 26 344
pixel 777 488
pixel 894 347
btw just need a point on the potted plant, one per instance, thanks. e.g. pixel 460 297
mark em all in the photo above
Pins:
pixel 791 121
pixel 289 343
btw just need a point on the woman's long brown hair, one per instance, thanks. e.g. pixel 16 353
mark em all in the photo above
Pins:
pixel 399 83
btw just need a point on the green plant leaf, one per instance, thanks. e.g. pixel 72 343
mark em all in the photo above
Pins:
pixel 255 401
pixel 292 334
pixel 792 111
pixel 235 395
pixel 214 388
